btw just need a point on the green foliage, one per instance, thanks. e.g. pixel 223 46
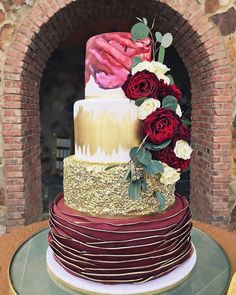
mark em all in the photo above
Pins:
pixel 111 167
pixel 135 61
pixel 161 200
pixel 139 31
pixel 171 79
pixel 127 175
pixel 169 102
pixel 161 54
pixel 155 147
pixel 158 36
pixel 145 21
pixel 135 189
pixel 139 101
pixel 144 184
pixel 187 123
pixel 140 156
pixel 154 167
pixel 166 40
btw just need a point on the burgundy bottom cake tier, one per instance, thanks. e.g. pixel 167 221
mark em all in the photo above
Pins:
pixel 120 250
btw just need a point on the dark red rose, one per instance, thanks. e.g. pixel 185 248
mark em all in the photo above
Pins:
pixel 182 133
pixel 164 90
pixel 161 125
pixel 141 84
pixel 168 157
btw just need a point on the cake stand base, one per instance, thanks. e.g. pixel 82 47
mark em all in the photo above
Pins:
pixel 166 282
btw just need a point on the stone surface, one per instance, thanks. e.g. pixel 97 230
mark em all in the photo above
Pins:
pixel 226 21
pixel 5 35
pixel 224 2
pixel 231 45
pixel 8 4
pixel 3 214
pixel 2 16
pixel 211 6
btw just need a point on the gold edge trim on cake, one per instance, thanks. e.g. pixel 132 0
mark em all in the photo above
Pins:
pixel 59 281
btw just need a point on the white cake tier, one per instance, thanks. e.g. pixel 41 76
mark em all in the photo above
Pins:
pixel 92 90
pixel 105 129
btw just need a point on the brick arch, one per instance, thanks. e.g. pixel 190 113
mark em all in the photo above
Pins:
pixel 201 48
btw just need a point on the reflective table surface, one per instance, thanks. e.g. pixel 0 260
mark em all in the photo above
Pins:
pixel 28 271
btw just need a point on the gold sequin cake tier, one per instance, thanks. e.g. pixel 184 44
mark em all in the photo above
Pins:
pixel 91 189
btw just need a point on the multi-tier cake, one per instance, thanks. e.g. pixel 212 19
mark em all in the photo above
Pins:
pixel 119 220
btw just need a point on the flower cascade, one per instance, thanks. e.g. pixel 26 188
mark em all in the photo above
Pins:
pixel 165 150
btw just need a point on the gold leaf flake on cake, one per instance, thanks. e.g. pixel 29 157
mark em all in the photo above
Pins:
pixel 92 190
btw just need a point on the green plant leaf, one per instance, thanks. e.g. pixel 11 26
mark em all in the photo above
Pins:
pixel 155 147
pixel 171 79
pixel 169 102
pixel 145 21
pixel 139 101
pixel 133 155
pixel 140 31
pixel 144 156
pixel 135 61
pixel 187 122
pixel 144 184
pixel 135 189
pixel 161 200
pixel 110 167
pixel 158 36
pixel 127 175
pixel 161 54
pixel 154 167
pixel 166 40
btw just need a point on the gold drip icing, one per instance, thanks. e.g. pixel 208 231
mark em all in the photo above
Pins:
pixel 92 190
pixel 105 131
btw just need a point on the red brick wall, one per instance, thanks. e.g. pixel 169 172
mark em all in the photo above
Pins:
pixel 199 44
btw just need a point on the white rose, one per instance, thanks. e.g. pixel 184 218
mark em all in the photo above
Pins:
pixel 182 149
pixel 169 176
pixel 155 67
pixel 178 110
pixel 147 107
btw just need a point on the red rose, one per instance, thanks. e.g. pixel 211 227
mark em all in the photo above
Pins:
pixel 141 84
pixel 168 157
pixel 182 133
pixel 163 90
pixel 161 125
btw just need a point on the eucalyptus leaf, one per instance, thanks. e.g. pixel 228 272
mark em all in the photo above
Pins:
pixel 158 36
pixel 169 102
pixel 135 189
pixel 171 79
pixel 144 156
pixel 154 167
pixel 111 166
pixel 127 175
pixel 140 31
pixel 139 101
pixel 133 155
pixel 145 20
pixel 161 54
pixel 187 122
pixel 144 184
pixel 161 200
pixel 166 40
pixel 155 147
pixel 135 61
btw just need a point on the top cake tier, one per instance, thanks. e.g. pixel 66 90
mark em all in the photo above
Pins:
pixel 108 62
